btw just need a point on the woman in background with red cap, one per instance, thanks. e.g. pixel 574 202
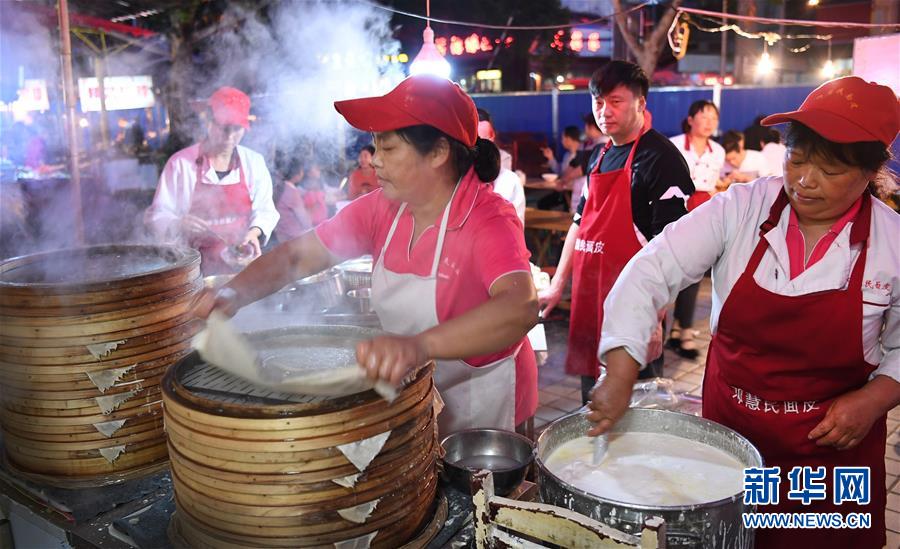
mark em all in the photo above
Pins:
pixel 216 194
pixel 451 274
pixel 805 355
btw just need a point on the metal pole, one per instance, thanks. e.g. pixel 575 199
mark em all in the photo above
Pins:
pixel 100 72
pixel 554 110
pixel 723 52
pixel 72 123
pixel 498 48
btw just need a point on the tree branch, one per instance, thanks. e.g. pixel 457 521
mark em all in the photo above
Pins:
pixel 621 22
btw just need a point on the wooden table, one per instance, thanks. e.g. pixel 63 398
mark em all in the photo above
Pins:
pixel 538 188
pixel 547 224
pixel 541 184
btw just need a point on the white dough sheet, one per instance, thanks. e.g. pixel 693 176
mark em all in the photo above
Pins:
pixel 291 364
pixel 649 469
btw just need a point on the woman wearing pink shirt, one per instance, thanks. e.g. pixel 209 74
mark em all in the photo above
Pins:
pixel 451 280
pixel 805 354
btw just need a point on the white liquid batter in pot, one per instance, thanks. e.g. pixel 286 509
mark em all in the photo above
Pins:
pixel 649 469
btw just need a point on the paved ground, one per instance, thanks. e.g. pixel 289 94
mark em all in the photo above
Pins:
pixel 560 394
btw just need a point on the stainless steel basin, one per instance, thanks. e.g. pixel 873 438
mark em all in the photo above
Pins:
pixel 505 453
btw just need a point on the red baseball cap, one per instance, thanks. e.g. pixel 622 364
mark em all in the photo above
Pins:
pixel 847 110
pixel 230 107
pixel 417 100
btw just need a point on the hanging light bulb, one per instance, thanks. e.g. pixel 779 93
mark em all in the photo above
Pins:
pixel 828 70
pixel 765 65
pixel 429 60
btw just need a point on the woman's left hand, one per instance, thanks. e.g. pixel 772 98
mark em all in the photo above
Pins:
pixel 390 358
pixel 847 421
pixel 251 241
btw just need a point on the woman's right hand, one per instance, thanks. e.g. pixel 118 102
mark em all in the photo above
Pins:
pixel 390 358
pixel 611 399
pixel 193 226
pixel 223 299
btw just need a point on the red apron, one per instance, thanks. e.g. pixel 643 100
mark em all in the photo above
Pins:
pixel 696 199
pixel 227 209
pixel 775 366
pixel 606 240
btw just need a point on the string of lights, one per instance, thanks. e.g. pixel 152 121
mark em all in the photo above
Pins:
pixel 800 22
pixel 679 33
pixel 604 19
pixel 770 37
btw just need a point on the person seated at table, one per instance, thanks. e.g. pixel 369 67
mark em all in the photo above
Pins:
pixel 571 143
pixel 508 185
pixel 593 135
pixel 773 151
pixel 741 164
pixel 362 180
pixel 574 175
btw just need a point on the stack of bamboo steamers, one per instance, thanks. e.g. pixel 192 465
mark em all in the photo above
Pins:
pixel 252 470
pixel 85 338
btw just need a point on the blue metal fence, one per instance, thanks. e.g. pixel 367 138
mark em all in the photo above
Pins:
pixel 533 112
pixel 519 112
pixel 741 105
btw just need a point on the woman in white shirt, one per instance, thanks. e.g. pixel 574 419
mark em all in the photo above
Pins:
pixel 773 151
pixel 705 158
pixel 741 164
pixel 805 355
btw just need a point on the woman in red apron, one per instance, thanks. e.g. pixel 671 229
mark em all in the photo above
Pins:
pixel 807 376
pixel 224 210
pixel 217 195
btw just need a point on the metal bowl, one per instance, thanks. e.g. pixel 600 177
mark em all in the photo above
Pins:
pixel 357 272
pixel 505 453
pixel 361 300
pixel 320 291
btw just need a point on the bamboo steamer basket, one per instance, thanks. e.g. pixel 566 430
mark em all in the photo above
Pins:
pixel 254 468
pixel 86 336
pixel 95 270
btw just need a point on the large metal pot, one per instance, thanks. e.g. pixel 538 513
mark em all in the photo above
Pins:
pixel 713 524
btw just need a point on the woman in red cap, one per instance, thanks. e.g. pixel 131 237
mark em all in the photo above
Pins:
pixel 451 276
pixel 216 194
pixel 805 355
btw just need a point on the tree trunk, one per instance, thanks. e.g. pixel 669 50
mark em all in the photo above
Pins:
pixel 648 52
pixel 177 96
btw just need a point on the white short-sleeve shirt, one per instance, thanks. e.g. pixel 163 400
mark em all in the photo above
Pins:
pixel 706 166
